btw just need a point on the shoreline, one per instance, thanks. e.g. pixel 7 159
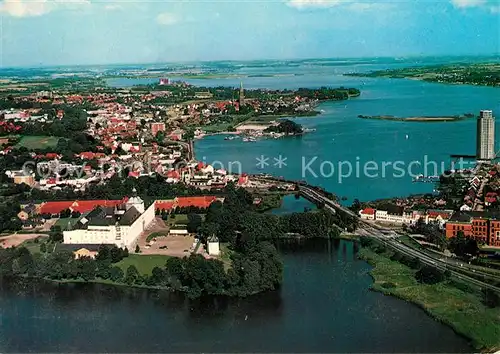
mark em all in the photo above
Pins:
pixel 458 308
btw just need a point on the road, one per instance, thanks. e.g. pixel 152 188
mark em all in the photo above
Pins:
pixel 389 238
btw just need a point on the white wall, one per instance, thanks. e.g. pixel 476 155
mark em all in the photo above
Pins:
pixel 107 234
pixel 213 248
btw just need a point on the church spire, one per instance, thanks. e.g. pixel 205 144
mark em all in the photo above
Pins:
pixel 242 95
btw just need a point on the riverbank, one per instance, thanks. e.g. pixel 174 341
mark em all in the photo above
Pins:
pixel 431 119
pixel 453 303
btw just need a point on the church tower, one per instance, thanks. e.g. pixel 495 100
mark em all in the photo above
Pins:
pixel 135 201
pixel 242 95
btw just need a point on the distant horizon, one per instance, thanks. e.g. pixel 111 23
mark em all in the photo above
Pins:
pixel 180 62
pixel 54 33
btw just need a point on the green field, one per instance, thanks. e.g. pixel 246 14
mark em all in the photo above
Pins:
pixel 180 219
pixel 38 142
pixel 63 222
pixel 215 128
pixel 143 263
pixel 456 304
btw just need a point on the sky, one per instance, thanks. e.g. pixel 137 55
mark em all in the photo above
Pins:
pixel 74 32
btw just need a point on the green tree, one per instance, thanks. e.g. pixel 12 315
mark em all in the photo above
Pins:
pixel 132 275
pixel 116 274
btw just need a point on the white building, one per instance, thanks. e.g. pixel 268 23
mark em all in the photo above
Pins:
pixel 120 225
pixel 367 214
pixel 485 136
pixel 213 246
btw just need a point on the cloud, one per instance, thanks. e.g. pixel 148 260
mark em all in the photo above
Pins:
pixel 167 19
pixel 351 5
pixel 495 9
pixel 112 7
pixel 467 3
pixel 491 5
pixel 20 8
pixel 367 6
pixel 300 4
pixel 33 8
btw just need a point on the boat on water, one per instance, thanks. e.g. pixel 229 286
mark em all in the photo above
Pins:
pixel 426 179
pixel 249 140
pixel 229 138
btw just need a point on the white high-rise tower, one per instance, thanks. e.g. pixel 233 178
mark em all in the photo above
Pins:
pixel 485 136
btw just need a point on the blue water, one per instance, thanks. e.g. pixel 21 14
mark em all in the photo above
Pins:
pixel 291 204
pixel 325 304
pixel 342 140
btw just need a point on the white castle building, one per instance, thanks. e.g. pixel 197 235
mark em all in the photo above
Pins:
pixel 120 225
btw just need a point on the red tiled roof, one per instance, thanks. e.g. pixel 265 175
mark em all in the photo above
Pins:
pixel 84 206
pixel 81 206
pixel 368 211
pixel 164 204
pixel 242 180
pixel 54 207
pixel 435 214
pixel 184 202
pixel 200 202
pixel 173 174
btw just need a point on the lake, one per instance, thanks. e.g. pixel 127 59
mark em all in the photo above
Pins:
pixel 361 158
pixel 325 305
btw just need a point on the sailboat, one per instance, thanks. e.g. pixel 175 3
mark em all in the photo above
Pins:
pixel 406 136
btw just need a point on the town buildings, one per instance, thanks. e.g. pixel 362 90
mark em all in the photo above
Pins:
pixel 484 227
pixel 19 177
pixel 157 127
pixel 485 136
pixel 399 216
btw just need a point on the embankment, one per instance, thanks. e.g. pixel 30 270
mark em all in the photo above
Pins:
pixel 453 303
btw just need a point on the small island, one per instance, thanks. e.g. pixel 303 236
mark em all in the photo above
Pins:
pixel 431 119
pixel 285 127
pixel 480 74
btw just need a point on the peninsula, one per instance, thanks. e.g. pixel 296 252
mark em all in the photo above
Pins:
pixel 485 74
pixel 421 118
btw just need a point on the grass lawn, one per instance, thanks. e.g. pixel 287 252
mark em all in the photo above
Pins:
pixel 63 222
pixel 38 142
pixel 407 240
pixel 215 128
pixel 34 247
pixel 463 310
pixel 225 255
pixel 143 263
pixel 179 219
